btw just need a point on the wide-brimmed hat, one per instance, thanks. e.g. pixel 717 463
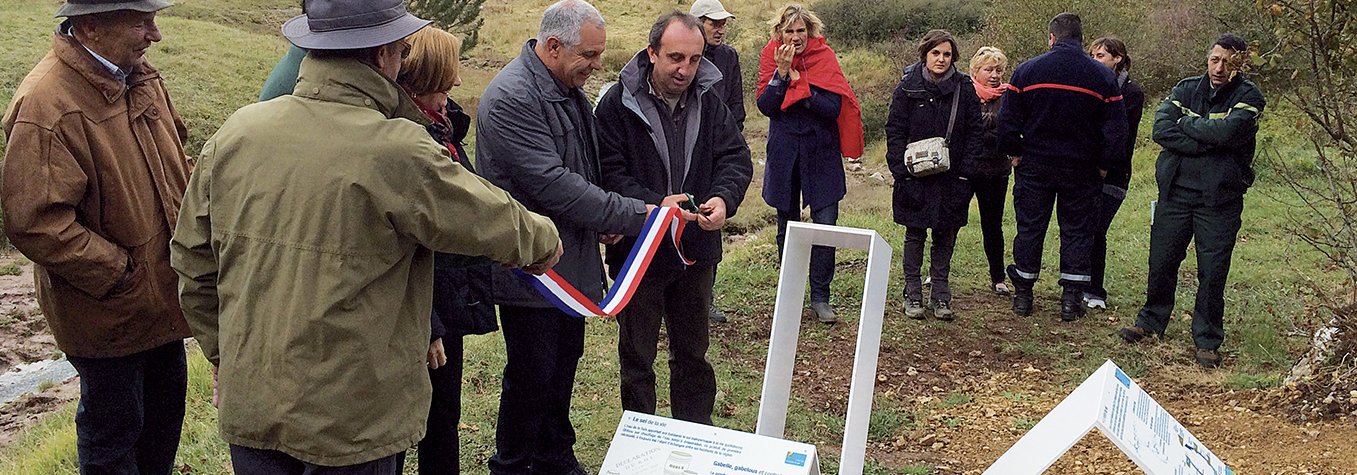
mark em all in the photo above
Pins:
pixel 351 24
pixel 710 9
pixel 85 7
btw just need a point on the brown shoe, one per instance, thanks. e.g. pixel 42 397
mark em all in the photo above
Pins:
pixel 1133 334
pixel 1208 358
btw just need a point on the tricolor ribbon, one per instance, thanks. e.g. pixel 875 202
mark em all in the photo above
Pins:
pixel 565 297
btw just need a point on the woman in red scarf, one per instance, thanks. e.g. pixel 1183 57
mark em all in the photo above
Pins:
pixel 814 122
pixel 990 181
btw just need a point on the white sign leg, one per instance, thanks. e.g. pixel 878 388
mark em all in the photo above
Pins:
pixel 791 290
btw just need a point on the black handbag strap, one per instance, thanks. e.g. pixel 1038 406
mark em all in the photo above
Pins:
pixel 956 100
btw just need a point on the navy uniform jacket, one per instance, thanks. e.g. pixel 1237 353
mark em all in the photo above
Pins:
pixel 1064 111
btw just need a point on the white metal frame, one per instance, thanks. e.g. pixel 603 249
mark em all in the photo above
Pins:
pixel 791 290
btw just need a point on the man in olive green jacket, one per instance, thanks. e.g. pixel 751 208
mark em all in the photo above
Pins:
pixel 1207 127
pixel 305 253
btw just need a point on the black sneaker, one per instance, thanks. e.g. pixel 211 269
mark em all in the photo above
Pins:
pixel 1022 301
pixel 1072 309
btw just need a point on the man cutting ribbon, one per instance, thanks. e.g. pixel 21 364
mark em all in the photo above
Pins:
pixel 665 130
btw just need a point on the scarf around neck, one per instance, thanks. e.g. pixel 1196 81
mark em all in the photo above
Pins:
pixel 819 67
pixel 987 93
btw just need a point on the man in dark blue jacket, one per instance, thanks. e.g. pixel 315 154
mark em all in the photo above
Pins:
pixel 1207 128
pixel 662 132
pixel 1061 122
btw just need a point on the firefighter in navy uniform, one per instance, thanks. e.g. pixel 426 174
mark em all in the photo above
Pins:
pixel 1064 124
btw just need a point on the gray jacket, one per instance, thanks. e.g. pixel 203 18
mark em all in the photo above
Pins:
pixel 527 145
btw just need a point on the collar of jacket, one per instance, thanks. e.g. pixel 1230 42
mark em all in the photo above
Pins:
pixel 546 83
pixel 917 86
pixel 1204 88
pixel 73 54
pixel 355 83
pixel 635 74
pixel 1068 46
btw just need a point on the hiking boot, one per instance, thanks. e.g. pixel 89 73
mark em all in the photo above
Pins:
pixel 914 308
pixel 1133 334
pixel 1071 310
pixel 942 310
pixel 1208 358
pixel 1022 301
pixel 715 314
pixel 1094 301
pixel 823 313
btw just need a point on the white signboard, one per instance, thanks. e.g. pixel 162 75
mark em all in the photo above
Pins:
pixel 1110 401
pixel 653 445
pixel 791 290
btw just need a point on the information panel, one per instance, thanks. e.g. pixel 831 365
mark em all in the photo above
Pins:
pixel 651 445
pixel 1113 403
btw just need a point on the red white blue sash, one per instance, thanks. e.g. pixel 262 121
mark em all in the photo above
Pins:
pixel 571 301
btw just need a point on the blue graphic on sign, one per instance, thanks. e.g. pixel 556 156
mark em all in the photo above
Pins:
pixel 797 459
pixel 1125 380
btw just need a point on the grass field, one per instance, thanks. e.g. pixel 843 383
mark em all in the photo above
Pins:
pixel 217 53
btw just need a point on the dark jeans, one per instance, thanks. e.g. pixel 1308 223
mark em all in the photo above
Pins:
pixel 679 298
pixel 939 262
pixel 439 451
pixel 131 411
pixel 990 195
pixel 1073 193
pixel 248 461
pixel 1178 219
pixel 1107 210
pixel 534 435
pixel 821 257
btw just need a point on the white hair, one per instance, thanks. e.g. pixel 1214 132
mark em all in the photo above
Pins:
pixel 564 20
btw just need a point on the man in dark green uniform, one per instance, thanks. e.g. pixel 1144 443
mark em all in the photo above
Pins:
pixel 1207 128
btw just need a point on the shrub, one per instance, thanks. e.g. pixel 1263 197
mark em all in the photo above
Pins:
pixel 864 22
pixel 1167 39
pixel 872 76
pixel 457 16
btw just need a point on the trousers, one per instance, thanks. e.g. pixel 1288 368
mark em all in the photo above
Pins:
pixel 1183 217
pixel 1108 206
pixel 1073 194
pixel 250 461
pixel 939 262
pixel 679 300
pixel 439 451
pixel 821 257
pixel 131 411
pixel 990 195
pixel 534 435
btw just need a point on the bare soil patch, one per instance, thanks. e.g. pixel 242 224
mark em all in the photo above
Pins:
pixel 24 338
pixel 973 395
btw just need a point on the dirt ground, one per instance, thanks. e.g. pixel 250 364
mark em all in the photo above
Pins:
pixel 1248 429
pixel 24 338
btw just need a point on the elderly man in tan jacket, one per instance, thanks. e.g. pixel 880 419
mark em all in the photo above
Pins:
pixel 93 175
pixel 305 250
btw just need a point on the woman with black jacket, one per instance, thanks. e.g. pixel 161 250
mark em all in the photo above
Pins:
pixel 989 183
pixel 461 285
pixel 1112 52
pixel 921 108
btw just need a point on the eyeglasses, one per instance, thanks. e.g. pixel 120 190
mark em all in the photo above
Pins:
pixel 405 49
